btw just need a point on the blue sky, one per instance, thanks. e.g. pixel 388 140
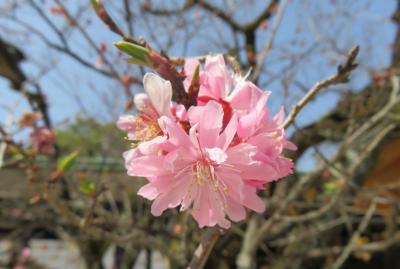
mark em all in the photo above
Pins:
pixel 74 89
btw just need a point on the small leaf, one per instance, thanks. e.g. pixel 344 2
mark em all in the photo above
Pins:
pixel 138 62
pixel 194 86
pixel 87 187
pixel 17 156
pixel 67 162
pixel 140 55
pixel 195 77
pixel 330 187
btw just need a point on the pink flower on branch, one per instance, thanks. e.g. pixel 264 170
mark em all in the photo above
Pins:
pixel 244 99
pixel 43 140
pixel 29 119
pixel 153 104
pixel 232 91
pixel 212 158
pixel 200 169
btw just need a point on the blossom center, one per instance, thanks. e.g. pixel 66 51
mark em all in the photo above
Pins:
pixel 204 173
pixel 146 128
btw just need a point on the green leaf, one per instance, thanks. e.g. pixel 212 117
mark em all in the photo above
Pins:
pixel 330 187
pixel 95 4
pixel 17 156
pixel 138 62
pixel 140 55
pixel 195 77
pixel 67 162
pixel 87 186
pixel 194 86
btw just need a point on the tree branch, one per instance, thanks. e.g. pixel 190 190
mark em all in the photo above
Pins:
pixel 350 246
pixel 203 250
pixel 270 40
pixel 342 76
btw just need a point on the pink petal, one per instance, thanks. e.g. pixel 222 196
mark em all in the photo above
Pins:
pixel 126 122
pixel 266 143
pixel 152 147
pixel 171 198
pixel 141 101
pixel 180 112
pixel 235 211
pixel 258 184
pixel 189 197
pixel 261 171
pixel 279 117
pixel 159 92
pixel 254 119
pixel 216 155
pixel 252 201
pixel 176 134
pixel 246 96
pixel 148 191
pixel 218 216
pixel 241 154
pixel 162 183
pixel 250 123
pixel 233 183
pixel 289 145
pixel 219 79
pixel 131 155
pixel 160 204
pixel 147 166
pixel 201 208
pixel 217 205
pixel 275 166
pixel 209 118
pixel 194 114
pixel 228 134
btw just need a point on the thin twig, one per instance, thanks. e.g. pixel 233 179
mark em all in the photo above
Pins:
pixel 7 129
pixel 393 101
pixel 350 246
pixel 342 76
pixel 268 44
pixel 244 259
pixel 369 247
pixel 313 232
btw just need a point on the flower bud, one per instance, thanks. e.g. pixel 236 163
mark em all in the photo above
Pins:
pixel 141 101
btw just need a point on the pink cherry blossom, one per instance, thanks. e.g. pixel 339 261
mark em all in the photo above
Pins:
pixel 214 157
pixel 201 170
pixel 29 119
pixel 43 140
pixel 152 105
pixel 26 252
pixel 143 129
pixel 233 92
pixel 244 99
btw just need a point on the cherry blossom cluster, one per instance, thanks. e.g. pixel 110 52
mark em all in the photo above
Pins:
pixel 43 139
pixel 211 158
